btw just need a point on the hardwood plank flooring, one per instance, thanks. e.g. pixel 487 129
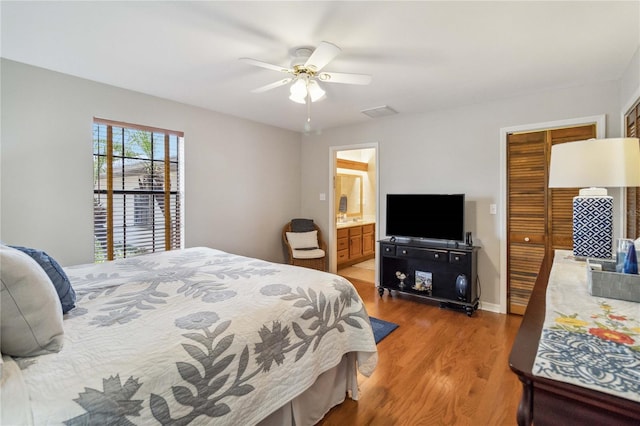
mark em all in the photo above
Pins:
pixel 440 367
pixel 357 273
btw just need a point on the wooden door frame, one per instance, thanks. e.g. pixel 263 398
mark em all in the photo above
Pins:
pixel 626 109
pixel 332 236
pixel 599 120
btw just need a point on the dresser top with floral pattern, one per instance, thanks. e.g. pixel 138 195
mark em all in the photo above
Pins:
pixel 588 341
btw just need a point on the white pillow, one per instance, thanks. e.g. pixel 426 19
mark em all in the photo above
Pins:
pixel 14 398
pixel 303 240
pixel 30 310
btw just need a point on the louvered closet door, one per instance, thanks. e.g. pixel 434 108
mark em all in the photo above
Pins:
pixel 632 121
pixel 560 213
pixel 527 214
pixel 539 219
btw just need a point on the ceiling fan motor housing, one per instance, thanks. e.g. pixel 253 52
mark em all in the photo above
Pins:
pixel 300 56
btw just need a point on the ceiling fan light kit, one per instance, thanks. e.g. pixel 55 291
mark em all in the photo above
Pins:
pixel 302 88
pixel 305 74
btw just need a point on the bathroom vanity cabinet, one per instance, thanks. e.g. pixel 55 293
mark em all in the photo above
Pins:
pixel 356 243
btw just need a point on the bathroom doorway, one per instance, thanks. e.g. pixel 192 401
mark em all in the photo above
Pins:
pixel 354 212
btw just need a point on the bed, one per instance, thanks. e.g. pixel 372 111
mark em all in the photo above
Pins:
pixel 195 336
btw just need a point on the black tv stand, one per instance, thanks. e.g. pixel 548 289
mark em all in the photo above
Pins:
pixel 441 271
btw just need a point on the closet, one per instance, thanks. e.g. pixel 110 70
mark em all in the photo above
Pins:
pixel 539 219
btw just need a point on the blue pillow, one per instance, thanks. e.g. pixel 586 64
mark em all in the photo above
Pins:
pixel 58 277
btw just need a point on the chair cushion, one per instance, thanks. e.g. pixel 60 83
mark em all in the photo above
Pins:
pixel 30 310
pixel 303 240
pixel 302 225
pixel 307 254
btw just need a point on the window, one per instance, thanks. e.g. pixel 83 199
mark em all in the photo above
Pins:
pixel 136 190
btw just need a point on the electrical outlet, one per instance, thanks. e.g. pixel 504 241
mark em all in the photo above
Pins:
pixel 323 196
pixel 493 209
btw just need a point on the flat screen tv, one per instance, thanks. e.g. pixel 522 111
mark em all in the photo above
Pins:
pixel 427 216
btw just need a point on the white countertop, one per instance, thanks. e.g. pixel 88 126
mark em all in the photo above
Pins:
pixel 351 222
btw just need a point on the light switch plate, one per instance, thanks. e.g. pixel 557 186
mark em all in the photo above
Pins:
pixel 323 196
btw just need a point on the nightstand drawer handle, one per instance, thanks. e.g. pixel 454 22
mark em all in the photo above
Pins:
pixel 404 252
pixel 527 239
pixel 436 256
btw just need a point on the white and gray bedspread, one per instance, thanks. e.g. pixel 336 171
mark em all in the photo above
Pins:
pixel 196 336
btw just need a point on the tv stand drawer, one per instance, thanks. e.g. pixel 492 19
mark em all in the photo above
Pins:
pixel 459 258
pixel 420 253
pixel 388 249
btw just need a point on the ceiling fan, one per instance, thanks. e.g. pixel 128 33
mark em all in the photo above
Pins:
pixel 306 73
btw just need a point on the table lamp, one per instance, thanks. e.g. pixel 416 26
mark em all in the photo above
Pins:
pixel 594 165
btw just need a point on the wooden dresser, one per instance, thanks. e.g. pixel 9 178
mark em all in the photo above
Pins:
pixel 550 402
pixel 356 243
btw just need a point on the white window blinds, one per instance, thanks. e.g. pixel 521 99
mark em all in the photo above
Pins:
pixel 137 204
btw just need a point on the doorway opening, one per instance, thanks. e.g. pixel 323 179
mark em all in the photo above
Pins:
pixel 354 211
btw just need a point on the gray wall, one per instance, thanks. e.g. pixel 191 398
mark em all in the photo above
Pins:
pixel 241 178
pixel 453 151
pixel 630 83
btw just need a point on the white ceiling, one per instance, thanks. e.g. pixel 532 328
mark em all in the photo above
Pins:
pixel 422 55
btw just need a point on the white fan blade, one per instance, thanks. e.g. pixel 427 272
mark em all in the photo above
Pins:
pixel 323 54
pixel 272 85
pixel 341 77
pixel 265 65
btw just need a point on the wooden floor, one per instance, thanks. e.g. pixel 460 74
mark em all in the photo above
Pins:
pixel 358 273
pixel 440 367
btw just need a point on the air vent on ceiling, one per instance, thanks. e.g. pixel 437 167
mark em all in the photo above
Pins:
pixel 380 111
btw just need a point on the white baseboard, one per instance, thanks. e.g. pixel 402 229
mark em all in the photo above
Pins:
pixel 491 307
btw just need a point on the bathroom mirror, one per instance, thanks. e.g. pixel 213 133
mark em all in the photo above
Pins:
pixel 349 186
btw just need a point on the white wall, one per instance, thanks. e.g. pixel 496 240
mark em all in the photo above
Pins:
pixel 630 83
pixel 452 151
pixel 241 178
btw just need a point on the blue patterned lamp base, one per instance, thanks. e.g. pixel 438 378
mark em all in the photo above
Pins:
pixel 593 226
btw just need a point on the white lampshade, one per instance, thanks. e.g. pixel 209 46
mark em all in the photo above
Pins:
pixel 302 87
pixel 602 163
pixel 298 99
pixel 605 163
pixel 315 91
pixel 299 91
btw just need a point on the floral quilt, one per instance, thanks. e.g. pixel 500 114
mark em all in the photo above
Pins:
pixel 588 341
pixel 196 336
